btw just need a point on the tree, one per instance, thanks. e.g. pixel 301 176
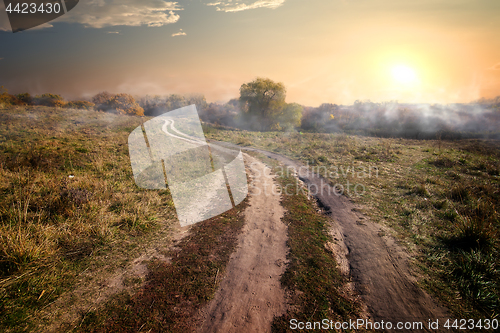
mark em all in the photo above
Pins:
pixel 263 106
pixel 289 117
pixel 175 101
pixel 198 100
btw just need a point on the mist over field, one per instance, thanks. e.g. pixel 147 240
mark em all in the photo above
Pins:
pixel 479 119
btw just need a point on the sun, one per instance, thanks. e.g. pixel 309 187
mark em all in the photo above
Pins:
pixel 403 74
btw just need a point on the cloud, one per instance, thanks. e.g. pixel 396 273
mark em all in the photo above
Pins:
pixel 114 32
pixel 240 5
pixel 495 67
pixel 109 13
pixel 180 33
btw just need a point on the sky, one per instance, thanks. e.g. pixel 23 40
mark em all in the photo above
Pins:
pixel 324 51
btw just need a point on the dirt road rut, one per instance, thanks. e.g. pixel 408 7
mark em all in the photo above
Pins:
pixel 250 294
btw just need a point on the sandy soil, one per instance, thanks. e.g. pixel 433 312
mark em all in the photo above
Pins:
pixel 378 266
pixel 250 294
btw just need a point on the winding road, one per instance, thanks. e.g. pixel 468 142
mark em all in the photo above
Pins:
pixel 378 266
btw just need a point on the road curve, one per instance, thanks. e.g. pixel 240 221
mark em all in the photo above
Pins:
pixel 378 266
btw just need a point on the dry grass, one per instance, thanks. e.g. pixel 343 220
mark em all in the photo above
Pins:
pixel 66 191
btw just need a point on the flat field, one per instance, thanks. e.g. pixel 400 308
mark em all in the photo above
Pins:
pixel 440 200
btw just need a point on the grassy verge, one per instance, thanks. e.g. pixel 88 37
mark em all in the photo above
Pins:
pixel 440 198
pixel 316 288
pixel 66 194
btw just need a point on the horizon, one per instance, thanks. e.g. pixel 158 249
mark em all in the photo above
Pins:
pixel 431 52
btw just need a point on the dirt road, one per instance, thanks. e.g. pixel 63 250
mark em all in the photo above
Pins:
pixel 250 294
pixel 378 266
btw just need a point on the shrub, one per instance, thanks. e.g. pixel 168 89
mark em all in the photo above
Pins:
pixel 120 103
pixel 58 103
pixel 443 162
pixel 80 105
pixel 420 190
pixel 473 232
pixel 49 100
pixel 25 98
pixel 477 277
pixel 6 98
pixel 459 193
pixel 102 101
pixel 126 104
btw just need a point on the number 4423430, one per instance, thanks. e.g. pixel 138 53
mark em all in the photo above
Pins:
pixel 32 8
pixel 470 324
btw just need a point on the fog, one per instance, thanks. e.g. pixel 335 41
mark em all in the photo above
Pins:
pixel 479 119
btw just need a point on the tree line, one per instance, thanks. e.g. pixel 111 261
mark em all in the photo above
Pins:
pixel 261 106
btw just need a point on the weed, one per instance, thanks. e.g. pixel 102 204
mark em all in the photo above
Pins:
pixel 420 190
pixel 443 162
pixel 459 193
pixel 473 233
pixel 477 276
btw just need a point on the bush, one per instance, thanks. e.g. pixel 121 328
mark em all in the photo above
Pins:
pixel 126 104
pixel 477 277
pixel 6 98
pixel 474 233
pixel 25 98
pixel 57 103
pixel 49 100
pixel 120 103
pixel 80 105
pixel 102 101
pixel 443 162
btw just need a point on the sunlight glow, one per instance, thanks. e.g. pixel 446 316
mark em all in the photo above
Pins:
pixel 403 74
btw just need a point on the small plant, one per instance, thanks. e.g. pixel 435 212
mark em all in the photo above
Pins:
pixel 473 233
pixel 443 162
pixel 477 277
pixel 459 193
pixel 421 190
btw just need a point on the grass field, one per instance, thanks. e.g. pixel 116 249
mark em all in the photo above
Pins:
pixel 69 205
pixel 440 198
pixel 67 198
